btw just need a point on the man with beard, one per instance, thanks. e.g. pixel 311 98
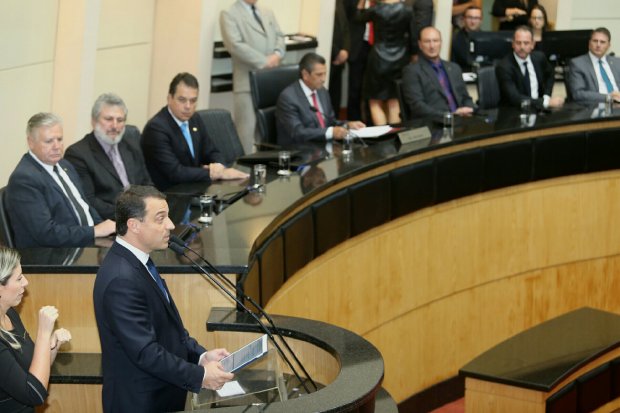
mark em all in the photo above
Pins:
pixel 109 158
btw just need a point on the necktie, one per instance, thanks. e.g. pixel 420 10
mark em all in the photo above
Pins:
pixel 318 110
pixel 526 81
pixel 76 205
pixel 188 137
pixel 610 87
pixel 445 85
pixel 155 274
pixel 371 27
pixel 118 164
pixel 257 17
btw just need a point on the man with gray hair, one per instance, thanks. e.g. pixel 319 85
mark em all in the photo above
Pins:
pixel 109 158
pixel 44 197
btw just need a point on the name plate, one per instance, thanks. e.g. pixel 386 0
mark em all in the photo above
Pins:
pixel 414 135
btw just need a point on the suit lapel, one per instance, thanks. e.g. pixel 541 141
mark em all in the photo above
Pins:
pixel 250 21
pixel 307 112
pixel 180 138
pixel 194 131
pixel 432 77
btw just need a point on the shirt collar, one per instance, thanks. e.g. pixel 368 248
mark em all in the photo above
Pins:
pixel 528 59
pixel 305 88
pixel 49 168
pixel 596 59
pixel 142 256
pixel 106 146
pixel 247 6
pixel 179 122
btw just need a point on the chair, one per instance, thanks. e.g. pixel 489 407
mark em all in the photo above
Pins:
pixel 404 108
pixel 6 234
pixel 222 131
pixel 266 85
pixel 488 88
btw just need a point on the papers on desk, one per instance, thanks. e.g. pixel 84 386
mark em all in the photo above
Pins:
pixel 245 355
pixel 231 388
pixel 469 77
pixel 371 131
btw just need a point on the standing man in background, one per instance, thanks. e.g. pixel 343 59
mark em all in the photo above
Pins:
pixel 253 38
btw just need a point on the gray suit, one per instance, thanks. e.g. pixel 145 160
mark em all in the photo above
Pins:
pixel 249 47
pixel 582 82
pixel 423 93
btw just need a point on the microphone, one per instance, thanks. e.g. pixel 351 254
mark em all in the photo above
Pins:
pixel 177 245
pixel 236 196
pixel 333 121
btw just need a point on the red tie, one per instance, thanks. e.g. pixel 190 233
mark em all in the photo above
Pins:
pixel 318 110
pixel 371 27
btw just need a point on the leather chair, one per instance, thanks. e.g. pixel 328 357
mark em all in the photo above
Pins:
pixel 488 88
pixel 221 129
pixel 266 85
pixel 404 109
pixel 6 234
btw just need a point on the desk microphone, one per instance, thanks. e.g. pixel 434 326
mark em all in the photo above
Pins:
pixel 216 277
pixel 333 121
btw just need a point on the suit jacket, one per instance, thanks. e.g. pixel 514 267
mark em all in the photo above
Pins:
pixel 582 82
pixel 41 215
pixel 149 361
pixel 168 158
pixel 423 93
pixel 510 79
pixel 246 41
pixel 99 178
pixel 296 122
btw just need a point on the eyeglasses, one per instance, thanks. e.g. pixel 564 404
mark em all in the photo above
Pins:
pixel 538 17
pixel 473 18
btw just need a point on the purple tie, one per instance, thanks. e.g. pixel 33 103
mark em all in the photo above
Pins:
pixel 445 85
pixel 119 166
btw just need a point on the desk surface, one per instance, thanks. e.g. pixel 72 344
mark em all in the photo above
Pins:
pixel 228 242
pixel 539 358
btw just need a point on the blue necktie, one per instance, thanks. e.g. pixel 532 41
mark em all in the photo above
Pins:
pixel 155 274
pixel 188 137
pixel 610 87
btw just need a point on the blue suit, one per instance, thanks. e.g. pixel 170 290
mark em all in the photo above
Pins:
pixel 41 215
pixel 149 361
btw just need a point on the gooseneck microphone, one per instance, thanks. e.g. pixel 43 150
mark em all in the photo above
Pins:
pixel 177 245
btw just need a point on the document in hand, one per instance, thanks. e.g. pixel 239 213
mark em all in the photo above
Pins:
pixel 245 355
pixel 371 131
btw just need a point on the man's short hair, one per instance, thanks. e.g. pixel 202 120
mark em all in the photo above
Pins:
pixel 107 99
pixel 471 8
pixel 41 119
pixel 186 78
pixel 308 61
pixel 523 28
pixel 602 30
pixel 130 204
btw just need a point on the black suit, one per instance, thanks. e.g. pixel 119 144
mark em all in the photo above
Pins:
pixel 149 361
pixel 296 122
pixel 99 178
pixel 41 215
pixel 168 158
pixel 511 83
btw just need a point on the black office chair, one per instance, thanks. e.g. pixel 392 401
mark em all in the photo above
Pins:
pixel 266 85
pixel 488 88
pixel 404 109
pixel 222 131
pixel 6 233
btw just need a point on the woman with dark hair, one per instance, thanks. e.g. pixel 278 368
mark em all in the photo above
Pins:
pixel 25 365
pixel 512 13
pixel 538 22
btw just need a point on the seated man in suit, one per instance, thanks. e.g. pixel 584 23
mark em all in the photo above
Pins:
pixel 175 143
pixel 304 111
pixel 461 55
pixel 44 197
pixel 433 86
pixel 149 360
pixel 109 158
pixel 593 76
pixel 526 74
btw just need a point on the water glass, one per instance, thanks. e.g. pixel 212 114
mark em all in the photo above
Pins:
pixel 526 106
pixel 260 174
pixel 284 163
pixel 448 120
pixel 347 144
pixel 206 208
pixel 609 104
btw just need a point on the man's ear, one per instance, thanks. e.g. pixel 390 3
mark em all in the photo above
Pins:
pixel 133 225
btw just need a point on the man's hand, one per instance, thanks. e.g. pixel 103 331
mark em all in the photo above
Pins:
pixel 215 377
pixel 556 102
pixel 464 111
pixel 215 170
pixel 214 355
pixel 356 124
pixel 228 174
pixel 105 228
pixel 273 60
pixel 341 57
pixel 616 95
pixel 338 132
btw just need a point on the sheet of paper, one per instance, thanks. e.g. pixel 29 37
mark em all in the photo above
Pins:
pixel 371 131
pixel 232 388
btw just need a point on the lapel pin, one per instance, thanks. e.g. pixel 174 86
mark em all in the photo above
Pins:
pixel 195 129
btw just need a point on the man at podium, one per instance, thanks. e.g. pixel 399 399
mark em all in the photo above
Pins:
pixel 149 360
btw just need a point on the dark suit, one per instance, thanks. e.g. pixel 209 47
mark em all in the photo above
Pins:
pixel 340 41
pixel 149 361
pixel 582 82
pixel 460 50
pixel 296 121
pixel 423 93
pixel 41 215
pixel 168 158
pixel 99 178
pixel 511 82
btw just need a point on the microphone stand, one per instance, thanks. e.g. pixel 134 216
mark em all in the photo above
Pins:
pixel 179 249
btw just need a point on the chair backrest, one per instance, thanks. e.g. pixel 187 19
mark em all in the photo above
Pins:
pixel 266 85
pixel 222 131
pixel 6 234
pixel 488 88
pixel 404 109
